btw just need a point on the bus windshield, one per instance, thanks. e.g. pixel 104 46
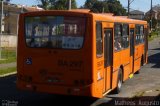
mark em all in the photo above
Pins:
pixel 55 32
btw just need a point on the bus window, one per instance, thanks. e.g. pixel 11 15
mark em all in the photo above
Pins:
pixel 99 47
pixel 125 36
pixel 117 37
pixel 55 32
pixel 139 34
pixel 137 40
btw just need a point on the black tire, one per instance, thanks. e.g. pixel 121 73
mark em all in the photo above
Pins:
pixel 119 82
pixel 138 72
pixel 142 61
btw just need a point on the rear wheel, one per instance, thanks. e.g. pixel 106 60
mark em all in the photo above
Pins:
pixel 119 82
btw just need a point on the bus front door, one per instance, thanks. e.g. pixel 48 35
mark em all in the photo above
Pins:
pixel 145 44
pixel 108 58
pixel 132 49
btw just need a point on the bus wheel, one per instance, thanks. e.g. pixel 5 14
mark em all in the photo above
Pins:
pixel 119 81
pixel 142 61
pixel 137 72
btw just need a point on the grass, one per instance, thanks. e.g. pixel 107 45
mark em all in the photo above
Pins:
pixel 8 70
pixel 9 60
pixel 8 56
pixel 151 38
pixel 153 35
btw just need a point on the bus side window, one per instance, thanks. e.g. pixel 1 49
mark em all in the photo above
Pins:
pixel 125 36
pixel 142 33
pixel 99 43
pixel 137 34
pixel 117 37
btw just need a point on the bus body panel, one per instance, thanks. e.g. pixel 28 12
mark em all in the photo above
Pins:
pixel 78 72
pixel 54 67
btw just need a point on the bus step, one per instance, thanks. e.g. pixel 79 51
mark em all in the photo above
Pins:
pixel 131 76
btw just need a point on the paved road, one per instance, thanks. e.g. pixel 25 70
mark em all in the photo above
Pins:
pixel 8 92
pixel 147 81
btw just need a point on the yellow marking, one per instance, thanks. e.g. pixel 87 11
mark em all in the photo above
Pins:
pixel 131 76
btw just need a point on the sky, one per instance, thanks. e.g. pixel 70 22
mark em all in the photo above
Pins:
pixel 142 5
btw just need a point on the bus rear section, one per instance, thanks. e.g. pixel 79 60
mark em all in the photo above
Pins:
pixel 55 53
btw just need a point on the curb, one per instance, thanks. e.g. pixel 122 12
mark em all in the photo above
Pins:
pixel 8 74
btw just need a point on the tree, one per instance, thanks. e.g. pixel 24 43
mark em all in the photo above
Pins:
pixel 56 4
pixel 100 7
pixel 89 3
pixel 112 6
pixel 44 4
pixel 115 7
pixel 154 23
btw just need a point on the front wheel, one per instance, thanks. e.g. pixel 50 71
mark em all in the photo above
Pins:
pixel 119 82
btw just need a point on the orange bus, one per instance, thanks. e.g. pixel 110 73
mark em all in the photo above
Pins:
pixel 79 53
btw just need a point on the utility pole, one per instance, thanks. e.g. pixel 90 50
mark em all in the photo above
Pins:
pixel 128 8
pixel 69 4
pixel 151 17
pixel 1 15
pixel 1 28
pixel 129 3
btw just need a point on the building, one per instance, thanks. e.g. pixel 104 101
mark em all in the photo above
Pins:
pixel 136 14
pixel 155 13
pixel 10 16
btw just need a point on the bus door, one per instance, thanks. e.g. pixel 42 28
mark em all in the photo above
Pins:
pixel 145 44
pixel 108 58
pixel 132 49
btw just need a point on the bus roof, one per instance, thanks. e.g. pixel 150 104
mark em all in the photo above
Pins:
pixel 98 16
pixel 122 19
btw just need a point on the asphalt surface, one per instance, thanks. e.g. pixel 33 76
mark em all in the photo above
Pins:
pixel 9 94
pixel 147 81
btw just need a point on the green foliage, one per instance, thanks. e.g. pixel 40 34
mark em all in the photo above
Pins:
pixel 111 6
pixel 57 4
pixel 89 3
pixel 8 70
pixel 44 4
pixel 115 7
pixel 99 7
pixel 153 35
pixel 8 56
pixel 154 23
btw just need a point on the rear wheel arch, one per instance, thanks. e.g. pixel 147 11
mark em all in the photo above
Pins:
pixel 119 80
pixel 122 69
